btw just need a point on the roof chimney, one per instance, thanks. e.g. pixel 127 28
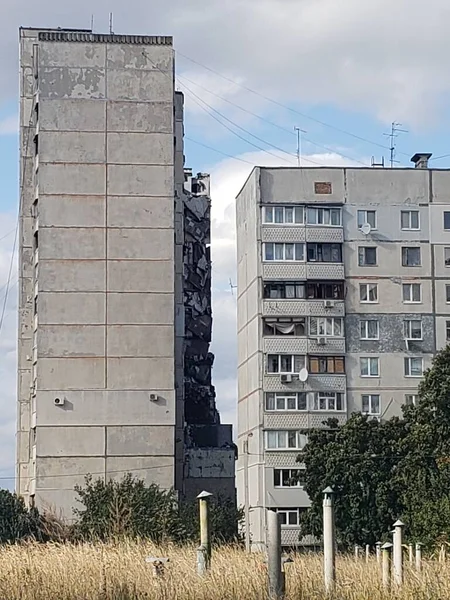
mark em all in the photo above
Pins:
pixel 421 159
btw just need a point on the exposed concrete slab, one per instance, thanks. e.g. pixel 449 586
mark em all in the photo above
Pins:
pixel 72 275
pixel 70 441
pixel 55 341
pixel 65 473
pixel 72 114
pixel 71 243
pixel 64 308
pixel 72 54
pixel 72 147
pixel 73 179
pixel 144 244
pixel 134 211
pixel 144 117
pixel 66 82
pixel 131 84
pixel 152 469
pixel 140 180
pixel 140 340
pixel 59 502
pixel 140 276
pixel 151 374
pixel 71 373
pixel 140 148
pixel 72 211
pixel 140 441
pixel 150 58
pixel 133 309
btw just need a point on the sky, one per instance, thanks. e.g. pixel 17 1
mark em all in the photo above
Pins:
pixel 251 71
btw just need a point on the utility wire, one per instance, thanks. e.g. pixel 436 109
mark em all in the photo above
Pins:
pixel 285 106
pixel 218 151
pixel 7 234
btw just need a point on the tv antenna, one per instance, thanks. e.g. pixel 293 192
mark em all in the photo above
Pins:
pixel 111 23
pixel 374 163
pixel 395 130
pixel 299 144
pixel 232 287
pixel 92 23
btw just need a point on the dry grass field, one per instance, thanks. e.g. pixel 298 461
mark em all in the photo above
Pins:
pixel 119 572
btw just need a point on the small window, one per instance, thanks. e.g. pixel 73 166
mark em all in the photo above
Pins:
pixel 369 329
pixel 324 216
pixel 327 364
pixel 283 401
pixel 281 215
pixel 447 331
pixel 367 256
pixel 410 219
pixel 285 363
pixel 446 219
pixel 368 292
pixel 411 399
pixel 296 328
pixel 326 326
pixel 285 440
pixel 289 291
pixel 411 257
pixel 327 401
pixel 289 478
pixel 324 253
pixel 367 216
pixel 284 252
pixel 370 404
pixel 325 291
pixel 447 293
pixel 412 293
pixel 413 367
pixel 412 329
pixel 289 517
pixel 447 257
pixel 370 367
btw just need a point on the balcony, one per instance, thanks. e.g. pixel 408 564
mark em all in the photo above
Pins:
pixel 301 420
pixel 315 383
pixel 315 233
pixel 284 270
pixel 285 345
pixel 328 345
pixel 283 233
pixel 322 270
pixel 313 308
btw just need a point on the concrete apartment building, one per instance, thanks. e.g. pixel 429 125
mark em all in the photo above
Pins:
pixel 114 368
pixel 343 299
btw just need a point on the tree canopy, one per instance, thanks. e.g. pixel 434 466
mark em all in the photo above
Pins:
pixel 382 471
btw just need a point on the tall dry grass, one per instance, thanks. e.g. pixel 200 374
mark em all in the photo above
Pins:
pixel 119 572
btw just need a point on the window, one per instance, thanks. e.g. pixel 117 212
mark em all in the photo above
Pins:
pixel 370 404
pixel 280 215
pixel 325 291
pixel 326 364
pixel 446 219
pixel 324 216
pixel 324 253
pixel 290 517
pixel 447 331
pixel 284 252
pixel 326 326
pixel 287 478
pixel 285 440
pixel 367 256
pixel 283 291
pixel 368 292
pixel 285 363
pixel 369 366
pixel 412 292
pixel 411 257
pixel 412 329
pixel 411 399
pixel 447 293
pixel 286 401
pixel 294 327
pixel 413 367
pixel 369 329
pixel 367 216
pixel 447 257
pixel 409 219
pixel 328 401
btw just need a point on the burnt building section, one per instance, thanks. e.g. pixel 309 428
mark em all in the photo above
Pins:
pixel 210 455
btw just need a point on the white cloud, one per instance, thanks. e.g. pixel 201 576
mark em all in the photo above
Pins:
pixel 9 125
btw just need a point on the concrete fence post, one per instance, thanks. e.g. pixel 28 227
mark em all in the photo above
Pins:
pixel 204 550
pixel 276 576
pixel 378 551
pixel 357 552
pixel 411 553
pixel 398 552
pixel 386 564
pixel 367 553
pixel 418 557
pixel 329 541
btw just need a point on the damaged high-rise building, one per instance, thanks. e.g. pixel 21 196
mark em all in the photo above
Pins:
pixel 115 320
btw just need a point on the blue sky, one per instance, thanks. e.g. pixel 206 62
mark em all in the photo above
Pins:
pixel 352 65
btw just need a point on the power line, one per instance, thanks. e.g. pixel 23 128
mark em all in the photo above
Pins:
pixel 219 151
pixel 286 107
pixel 439 157
pixel 7 234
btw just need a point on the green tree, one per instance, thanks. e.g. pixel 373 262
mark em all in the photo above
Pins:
pixel 16 521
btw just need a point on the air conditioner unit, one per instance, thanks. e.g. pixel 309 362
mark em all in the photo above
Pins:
pixel 153 397
pixel 286 379
pixel 59 401
pixel 321 341
pixel 328 303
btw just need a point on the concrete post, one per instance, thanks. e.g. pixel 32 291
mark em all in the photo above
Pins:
pixel 386 564
pixel 411 553
pixel 398 552
pixel 329 543
pixel 246 498
pixel 418 557
pixel 367 553
pixel 204 551
pixel 378 551
pixel 356 552
pixel 276 579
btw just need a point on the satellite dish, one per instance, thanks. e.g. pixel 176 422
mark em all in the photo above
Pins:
pixel 366 228
pixel 303 375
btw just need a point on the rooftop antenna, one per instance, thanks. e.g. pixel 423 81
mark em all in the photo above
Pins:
pixel 232 287
pixel 110 22
pixel 395 130
pixel 299 144
pixel 92 23
pixel 374 163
